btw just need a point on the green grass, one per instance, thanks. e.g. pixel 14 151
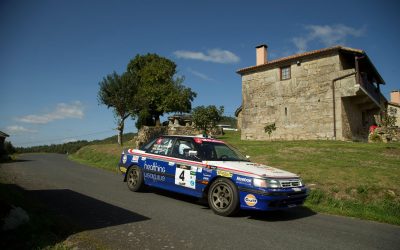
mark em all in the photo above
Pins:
pixel 105 156
pixel 345 178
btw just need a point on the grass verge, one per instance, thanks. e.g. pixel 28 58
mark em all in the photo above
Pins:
pixel 345 178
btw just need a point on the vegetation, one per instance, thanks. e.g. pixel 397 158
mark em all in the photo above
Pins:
pixel 206 118
pixel 119 92
pixel 159 90
pixel 228 120
pixel 70 147
pixel 7 151
pixel 147 90
pixel 269 128
pixel 345 178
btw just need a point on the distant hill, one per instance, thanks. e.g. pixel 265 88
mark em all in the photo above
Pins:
pixel 71 147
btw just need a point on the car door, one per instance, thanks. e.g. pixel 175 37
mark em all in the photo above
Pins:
pixel 187 168
pixel 158 168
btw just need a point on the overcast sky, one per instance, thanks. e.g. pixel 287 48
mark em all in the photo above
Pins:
pixel 54 53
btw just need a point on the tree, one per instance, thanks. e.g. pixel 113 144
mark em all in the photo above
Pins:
pixel 206 118
pixel 119 92
pixel 159 91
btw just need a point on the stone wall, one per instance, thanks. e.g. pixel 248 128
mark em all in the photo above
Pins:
pixel 146 134
pixel 301 107
pixel 183 130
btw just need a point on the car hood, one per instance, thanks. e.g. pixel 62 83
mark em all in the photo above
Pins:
pixel 251 169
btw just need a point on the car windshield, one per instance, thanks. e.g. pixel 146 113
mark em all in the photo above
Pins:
pixel 212 151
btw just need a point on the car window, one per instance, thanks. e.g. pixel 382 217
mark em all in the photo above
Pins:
pixel 224 152
pixel 210 151
pixel 184 148
pixel 161 146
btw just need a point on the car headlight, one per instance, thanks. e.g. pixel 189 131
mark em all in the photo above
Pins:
pixel 260 183
pixel 270 183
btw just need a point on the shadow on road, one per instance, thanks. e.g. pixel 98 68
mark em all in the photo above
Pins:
pixel 282 215
pixel 270 216
pixel 57 214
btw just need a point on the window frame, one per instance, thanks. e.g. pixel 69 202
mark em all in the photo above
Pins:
pixel 289 71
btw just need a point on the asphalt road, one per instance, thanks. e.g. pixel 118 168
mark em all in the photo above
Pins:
pixel 111 216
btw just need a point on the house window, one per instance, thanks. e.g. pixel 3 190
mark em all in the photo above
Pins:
pixel 285 73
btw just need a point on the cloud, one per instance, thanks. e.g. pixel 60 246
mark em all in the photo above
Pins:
pixel 69 140
pixel 200 75
pixel 16 129
pixel 328 35
pixel 213 55
pixel 62 111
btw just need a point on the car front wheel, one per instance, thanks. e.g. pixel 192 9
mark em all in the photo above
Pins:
pixel 223 197
pixel 134 179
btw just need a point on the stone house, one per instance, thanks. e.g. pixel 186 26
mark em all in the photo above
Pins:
pixel 331 93
pixel 395 104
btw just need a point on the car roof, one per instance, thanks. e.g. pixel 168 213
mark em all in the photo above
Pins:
pixel 209 139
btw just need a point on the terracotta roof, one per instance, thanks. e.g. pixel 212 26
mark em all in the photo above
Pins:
pixel 298 56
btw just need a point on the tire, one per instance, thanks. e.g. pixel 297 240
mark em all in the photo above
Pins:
pixel 134 179
pixel 223 197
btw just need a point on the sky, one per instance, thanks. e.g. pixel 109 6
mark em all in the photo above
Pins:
pixel 53 54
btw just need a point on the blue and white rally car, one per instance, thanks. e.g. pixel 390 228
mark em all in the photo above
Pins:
pixel 204 167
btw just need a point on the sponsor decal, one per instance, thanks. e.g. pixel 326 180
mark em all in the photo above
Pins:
pixel 135 159
pixel 243 180
pixel 171 163
pixel 224 173
pixel 184 167
pixel 154 167
pixel 124 159
pixel 186 176
pixel 250 200
pixel 201 140
pixel 207 170
pixel 206 178
pixel 154 177
pixel 143 158
pixel 296 189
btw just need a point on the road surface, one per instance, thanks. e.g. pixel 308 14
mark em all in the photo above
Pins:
pixel 111 216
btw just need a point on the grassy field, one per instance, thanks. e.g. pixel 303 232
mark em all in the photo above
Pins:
pixel 346 178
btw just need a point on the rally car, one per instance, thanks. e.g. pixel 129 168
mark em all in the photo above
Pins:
pixel 205 167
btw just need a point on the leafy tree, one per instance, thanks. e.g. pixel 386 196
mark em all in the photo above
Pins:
pixel 119 92
pixel 159 91
pixel 206 118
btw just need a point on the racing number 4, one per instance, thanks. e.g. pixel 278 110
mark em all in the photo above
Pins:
pixel 186 177
pixel 182 176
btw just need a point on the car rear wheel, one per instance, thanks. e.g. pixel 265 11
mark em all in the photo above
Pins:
pixel 134 179
pixel 223 197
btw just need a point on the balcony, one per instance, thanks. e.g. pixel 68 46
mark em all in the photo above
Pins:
pixel 369 89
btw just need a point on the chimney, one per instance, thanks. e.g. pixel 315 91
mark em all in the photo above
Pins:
pixel 395 96
pixel 261 54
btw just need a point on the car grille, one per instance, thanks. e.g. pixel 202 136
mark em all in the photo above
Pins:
pixel 290 183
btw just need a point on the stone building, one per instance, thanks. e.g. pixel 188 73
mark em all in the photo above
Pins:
pixel 395 104
pixel 332 93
